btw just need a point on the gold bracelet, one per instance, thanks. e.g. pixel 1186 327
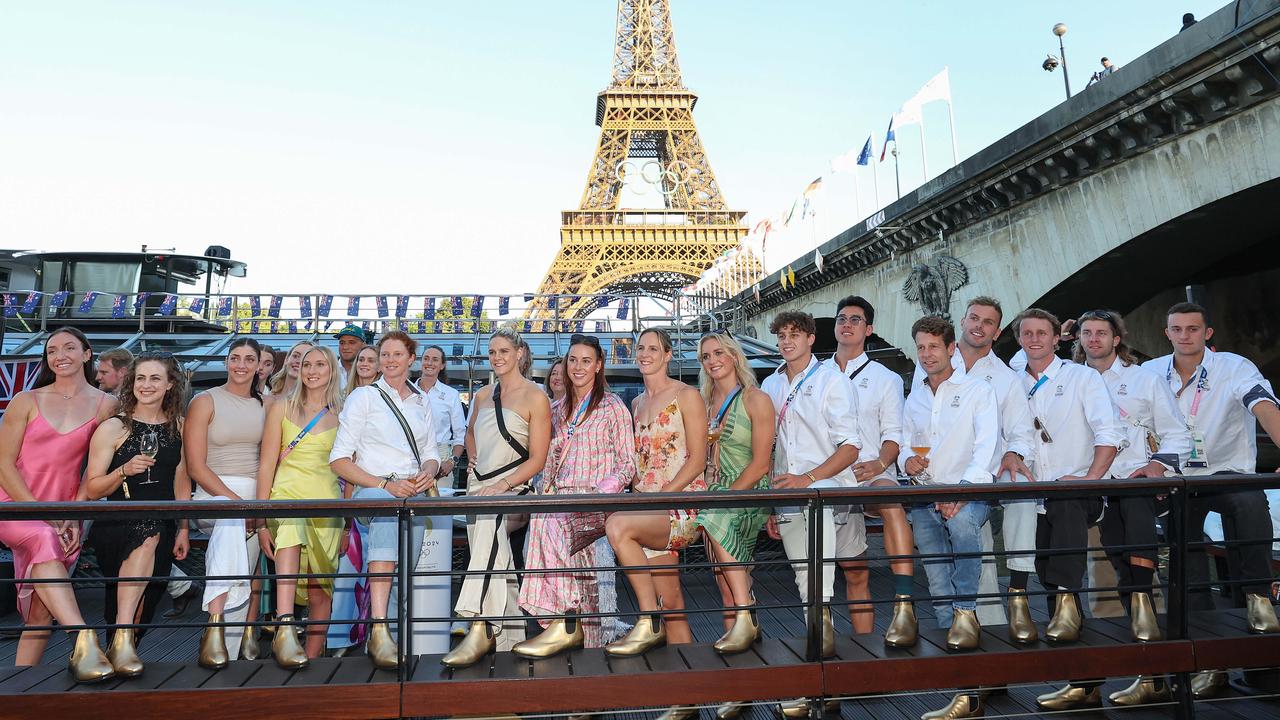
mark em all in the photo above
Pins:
pixel 122 475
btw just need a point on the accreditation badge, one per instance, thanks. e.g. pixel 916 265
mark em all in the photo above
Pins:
pixel 1198 458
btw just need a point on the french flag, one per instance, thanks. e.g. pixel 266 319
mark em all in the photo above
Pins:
pixel 888 135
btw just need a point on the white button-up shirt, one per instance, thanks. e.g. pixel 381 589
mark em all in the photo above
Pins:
pixel 1075 409
pixel 446 413
pixel 821 417
pixel 1145 406
pixel 369 433
pixel 878 394
pixel 1011 402
pixel 963 426
pixel 1228 386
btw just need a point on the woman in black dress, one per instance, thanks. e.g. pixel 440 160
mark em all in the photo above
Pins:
pixel 136 456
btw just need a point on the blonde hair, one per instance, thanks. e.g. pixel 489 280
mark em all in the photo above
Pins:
pixel 746 378
pixel 277 381
pixel 353 380
pixel 332 391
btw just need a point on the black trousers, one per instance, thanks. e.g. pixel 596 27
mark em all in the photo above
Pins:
pixel 1129 521
pixel 1065 525
pixel 1245 516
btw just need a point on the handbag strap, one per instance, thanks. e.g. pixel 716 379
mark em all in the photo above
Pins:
pixel 521 451
pixel 404 424
pixel 294 443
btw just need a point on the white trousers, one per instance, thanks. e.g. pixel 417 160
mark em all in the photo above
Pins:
pixel 793 525
pixel 492 595
pixel 231 551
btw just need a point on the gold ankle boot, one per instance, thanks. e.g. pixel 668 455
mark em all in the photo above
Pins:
pixel 380 648
pixel 559 636
pixel 1070 697
pixel 1208 683
pixel 213 644
pixel 1066 622
pixel 828 634
pixel 961 706
pixel 800 708
pixel 649 632
pixel 123 655
pixel 730 710
pixel 1021 627
pixel 477 643
pixel 903 629
pixel 88 663
pixel 284 646
pixel 679 712
pixel 965 632
pixel 1144 690
pixel 740 637
pixel 1262 614
pixel 249 648
pixel 1143 623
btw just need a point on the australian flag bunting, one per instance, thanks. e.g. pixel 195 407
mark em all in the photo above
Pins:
pixel 139 302
pixel 90 298
pixel 224 306
pixel 169 305
pixel 273 310
pixel 10 308
pixel 477 306
pixel 197 306
pixel 117 307
pixel 429 308
pixel 402 306
pixel 623 307
pixel 381 302
pixel 304 306
pixel 29 305
pixel 456 305
pixel 504 305
pixel 255 306
pixel 353 306
pixel 59 299
pixel 326 302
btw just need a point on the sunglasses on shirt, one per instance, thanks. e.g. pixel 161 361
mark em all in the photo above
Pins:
pixel 1044 432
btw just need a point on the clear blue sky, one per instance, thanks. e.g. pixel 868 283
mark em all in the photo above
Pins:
pixel 409 146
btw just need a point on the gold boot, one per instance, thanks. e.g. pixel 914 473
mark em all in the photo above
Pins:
pixel 828 634
pixel 679 712
pixel 730 710
pixel 88 664
pixel 740 637
pixel 477 643
pixel 213 644
pixel 1144 690
pixel 284 646
pixel 380 648
pixel 903 629
pixel 800 708
pixel 1021 627
pixel 559 636
pixel 961 706
pixel 1143 623
pixel 1208 683
pixel 1070 697
pixel 249 648
pixel 1064 627
pixel 965 632
pixel 649 632
pixel 1262 614
pixel 123 655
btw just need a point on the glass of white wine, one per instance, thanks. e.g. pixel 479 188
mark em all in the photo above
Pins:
pixel 920 445
pixel 149 445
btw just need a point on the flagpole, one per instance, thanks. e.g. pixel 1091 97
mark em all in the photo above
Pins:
pixel 897 174
pixel 955 158
pixel 924 154
pixel 875 179
pixel 857 196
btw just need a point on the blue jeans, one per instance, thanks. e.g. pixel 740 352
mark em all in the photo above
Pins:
pixel 384 534
pixel 951 575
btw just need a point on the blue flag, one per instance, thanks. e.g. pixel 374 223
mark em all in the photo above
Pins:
pixel 864 157
pixel 255 306
pixel 402 306
pixel 455 303
pixel 29 305
pixel 601 326
pixel 477 306
pixel 90 298
pixel 429 308
pixel 197 306
pixel 381 302
pixel 10 306
pixel 304 306
pixel 59 298
pixel 138 302
pixel 888 136
pixel 273 310
pixel 504 305
pixel 169 305
pixel 224 306
pixel 117 307
pixel 622 308
pixel 326 302
pixel 353 306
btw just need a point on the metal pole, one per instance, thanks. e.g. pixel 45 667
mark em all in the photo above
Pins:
pixel 875 179
pixel 404 523
pixel 897 176
pixel 1179 605
pixel 1066 79
pixel 955 153
pixel 924 153
pixel 813 516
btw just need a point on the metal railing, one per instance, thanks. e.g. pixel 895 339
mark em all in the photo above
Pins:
pixel 1179 540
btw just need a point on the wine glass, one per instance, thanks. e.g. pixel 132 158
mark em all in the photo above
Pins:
pixel 920 445
pixel 149 445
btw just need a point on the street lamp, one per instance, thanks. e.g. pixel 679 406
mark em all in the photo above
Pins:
pixel 1061 29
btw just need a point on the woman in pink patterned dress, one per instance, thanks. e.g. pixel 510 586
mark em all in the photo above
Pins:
pixel 590 452
pixel 671 453
pixel 44 439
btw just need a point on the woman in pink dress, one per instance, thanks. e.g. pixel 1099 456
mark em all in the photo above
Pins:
pixel 44 440
pixel 671 453
pixel 591 452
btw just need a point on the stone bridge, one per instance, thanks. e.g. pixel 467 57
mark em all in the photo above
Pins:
pixel 1159 181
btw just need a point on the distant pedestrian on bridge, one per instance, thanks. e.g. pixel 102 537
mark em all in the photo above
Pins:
pixel 1188 19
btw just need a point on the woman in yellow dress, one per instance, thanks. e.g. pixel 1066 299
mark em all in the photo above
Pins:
pixel 294 465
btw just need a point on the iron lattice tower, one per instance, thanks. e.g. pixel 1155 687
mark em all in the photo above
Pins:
pixel 645 117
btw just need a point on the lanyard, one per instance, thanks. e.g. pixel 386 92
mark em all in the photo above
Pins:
pixel 782 413
pixel 577 417
pixel 725 407
pixel 1202 384
pixel 294 443
pixel 1035 388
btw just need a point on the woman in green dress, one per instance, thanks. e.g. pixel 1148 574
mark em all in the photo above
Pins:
pixel 740 441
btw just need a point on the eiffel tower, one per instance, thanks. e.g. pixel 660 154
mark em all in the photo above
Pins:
pixel 646 127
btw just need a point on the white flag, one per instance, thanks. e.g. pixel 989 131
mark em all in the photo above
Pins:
pixel 938 88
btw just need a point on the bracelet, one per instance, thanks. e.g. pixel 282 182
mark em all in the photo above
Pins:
pixel 383 485
pixel 122 475
pixel 883 466
pixel 809 475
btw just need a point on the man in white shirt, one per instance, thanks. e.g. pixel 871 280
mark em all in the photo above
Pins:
pixel 879 396
pixel 1155 441
pixel 1223 398
pixel 817 440
pixel 446 411
pixel 1076 438
pixel 953 417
